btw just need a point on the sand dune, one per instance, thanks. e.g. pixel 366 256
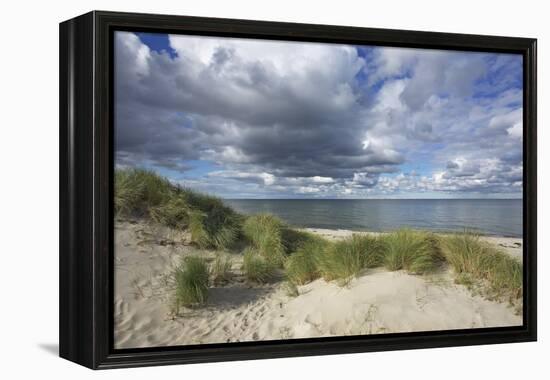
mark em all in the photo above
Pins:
pixel 378 301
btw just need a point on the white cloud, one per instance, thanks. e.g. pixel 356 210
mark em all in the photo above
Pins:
pixel 308 190
pixel 516 130
pixel 291 117
pixel 319 179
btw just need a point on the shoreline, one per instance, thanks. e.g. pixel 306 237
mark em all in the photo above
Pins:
pixel 437 232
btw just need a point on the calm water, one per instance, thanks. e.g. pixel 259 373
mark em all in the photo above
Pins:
pixel 493 217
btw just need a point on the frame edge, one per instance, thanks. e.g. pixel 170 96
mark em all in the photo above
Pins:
pixel 76 255
pixel 83 173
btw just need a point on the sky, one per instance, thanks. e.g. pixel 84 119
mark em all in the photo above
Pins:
pixel 245 118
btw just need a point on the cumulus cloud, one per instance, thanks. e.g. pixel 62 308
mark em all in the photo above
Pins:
pixel 275 118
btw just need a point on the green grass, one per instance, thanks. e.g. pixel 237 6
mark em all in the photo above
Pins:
pixel 471 257
pixel 215 229
pixel 293 239
pixel 191 282
pixel 413 251
pixel 173 213
pixel 220 269
pixel 212 224
pixel 256 268
pixel 344 259
pixel 302 266
pixel 144 194
pixel 138 190
pixel 264 231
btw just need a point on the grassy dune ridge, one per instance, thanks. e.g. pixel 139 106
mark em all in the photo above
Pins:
pixel 270 247
pixel 141 193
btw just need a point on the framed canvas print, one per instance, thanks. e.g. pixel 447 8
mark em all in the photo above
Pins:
pixel 237 189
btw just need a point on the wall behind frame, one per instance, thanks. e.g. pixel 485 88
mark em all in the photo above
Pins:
pixel 29 191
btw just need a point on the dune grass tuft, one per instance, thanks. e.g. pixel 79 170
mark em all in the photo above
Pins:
pixel 173 213
pixel 293 239
pixel 414 251
pixel 472 258
pixel 196 227
pixel 344 259
pixel 257 268
pixel 191 282
pixel 215 229
pixel 212 224
pixel 302 266
pixel 144 194
pixel 264 231
pixel 220 269
pixel 137 190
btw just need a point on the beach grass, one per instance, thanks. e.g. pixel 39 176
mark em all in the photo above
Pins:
pixel 138 190
pixel 256 268
pixel 220 269
pixel 212 224
pixel 142 193
pixel 215 229
pixel 264 231
pixel 410 250
pixel 345 259
pixel 471 258
pixel 173 213
pixel 191 282
pixel 294 239
pixel 302 266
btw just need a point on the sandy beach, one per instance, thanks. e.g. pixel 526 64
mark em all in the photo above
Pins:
pixel 377 301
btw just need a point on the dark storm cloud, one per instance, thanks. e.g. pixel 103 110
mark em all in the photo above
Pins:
pixel 170 109
pixel 319 119
pixel 452 165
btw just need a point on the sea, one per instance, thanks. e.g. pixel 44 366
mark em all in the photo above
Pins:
pixel 497 217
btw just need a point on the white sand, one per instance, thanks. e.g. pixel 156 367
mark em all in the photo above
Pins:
pixel 376 302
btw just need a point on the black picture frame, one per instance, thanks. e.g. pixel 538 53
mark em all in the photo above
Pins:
pixel 86 178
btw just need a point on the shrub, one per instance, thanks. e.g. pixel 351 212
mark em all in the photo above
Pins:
pixel 467 254
pixel 191 282
pixel 220 270
pixel 256 268
pixel 346 258
pixel 264 232
pixel 410 250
